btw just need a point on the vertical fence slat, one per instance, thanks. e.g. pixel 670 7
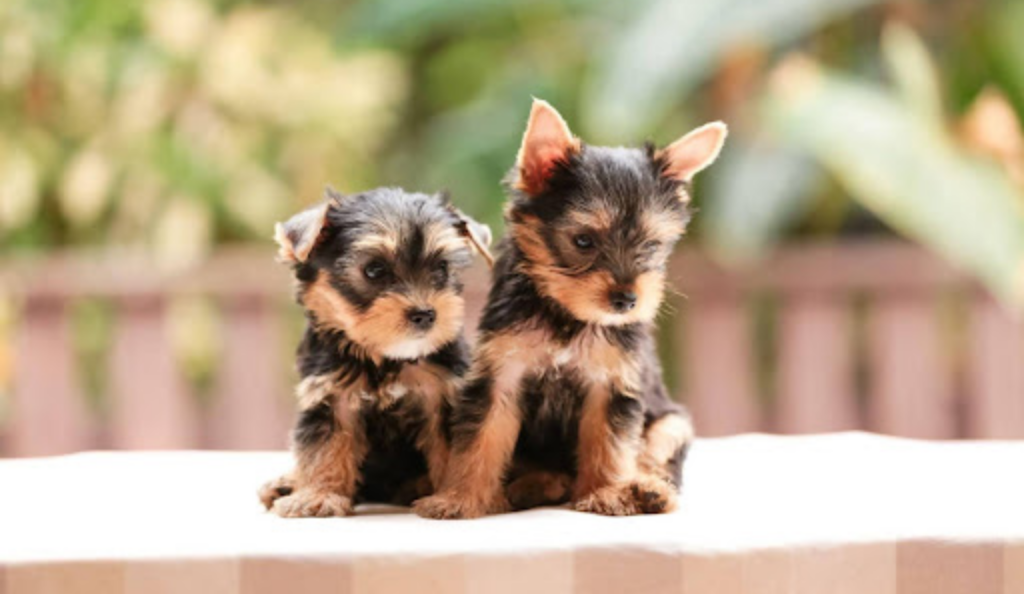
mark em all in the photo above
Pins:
pixel 252 409
pixel 477 284
pixel 150 407
pixel 995 381
pixel 815 373
pixel 910 383
pixel 720 371
pixel 49 413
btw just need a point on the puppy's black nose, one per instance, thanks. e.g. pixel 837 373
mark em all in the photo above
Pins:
pixel 623 301
pixel 421 318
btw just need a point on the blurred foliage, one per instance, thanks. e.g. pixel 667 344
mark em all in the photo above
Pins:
pixel 893 151
pixel 175 125
pixel 7 316
pixel 197 340
pixel 92 324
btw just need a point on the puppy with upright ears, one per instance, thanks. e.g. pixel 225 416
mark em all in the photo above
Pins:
pixel 565 398
pixel 383 354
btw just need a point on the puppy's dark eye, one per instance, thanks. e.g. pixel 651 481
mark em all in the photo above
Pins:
pixel 375 270
pixel 583 241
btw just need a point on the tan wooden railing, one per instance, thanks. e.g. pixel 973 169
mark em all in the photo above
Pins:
pixel 877 336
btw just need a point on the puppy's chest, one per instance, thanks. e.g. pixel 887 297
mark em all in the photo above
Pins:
pixel 589 359
pixel 413 385
pixel 414 382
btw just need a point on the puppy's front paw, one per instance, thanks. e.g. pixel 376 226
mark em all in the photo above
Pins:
pixel 312 504
pixel 653 495
pixel 613 500
pixel 450 507
pixel 275 489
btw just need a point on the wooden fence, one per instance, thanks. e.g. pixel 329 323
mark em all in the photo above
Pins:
pixel 876 336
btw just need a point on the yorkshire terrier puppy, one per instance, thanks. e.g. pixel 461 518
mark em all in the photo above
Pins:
pixel 383 353
pixel 565 398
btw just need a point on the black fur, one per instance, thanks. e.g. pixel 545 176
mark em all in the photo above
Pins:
pixel 392 426
pixel 315 426
pixel 453 357
pixel 354 217
pixel 625 414
pixel 391 431
pixel 629 183
pixel 470 410
pixel 394 458
pixel 550 406
pixel 330 351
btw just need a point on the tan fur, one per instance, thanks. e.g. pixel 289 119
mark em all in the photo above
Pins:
pixel 472 484
pixel 309 503
pixel 381 330
pixel 314 389
pixel 444 239
pixel 325 477
pixel 384 242
pixel 586 297
pixel 661 228
pixel 653 495
pixel 608 481
pixel 526 235
pixel 578 295
pixel 329 309
pixel 600 221
pixel 661 441
pixel 650 290
pixel 664 437
pixel 384 323
pixel 333 468
pixel 429 382
pixel 604 459
pixel 612 500
pixel 607 478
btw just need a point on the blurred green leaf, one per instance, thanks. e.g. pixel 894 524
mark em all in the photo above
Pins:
pixel 907 172
pixel 757 190
pixel 913 72
pixel 673 44
pixel 1006 46
pixel 395 21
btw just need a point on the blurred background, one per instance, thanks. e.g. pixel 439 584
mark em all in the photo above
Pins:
pixel 856 262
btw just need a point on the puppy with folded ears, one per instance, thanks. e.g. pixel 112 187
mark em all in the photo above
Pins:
pixel 383 354
pixel 565 399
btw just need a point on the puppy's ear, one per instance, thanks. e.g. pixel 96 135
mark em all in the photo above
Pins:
pixel 477 234
pixel 547 141
pixel 297 236
pixel 692 153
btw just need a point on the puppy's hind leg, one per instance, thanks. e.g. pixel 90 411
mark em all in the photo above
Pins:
pixel 665 444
